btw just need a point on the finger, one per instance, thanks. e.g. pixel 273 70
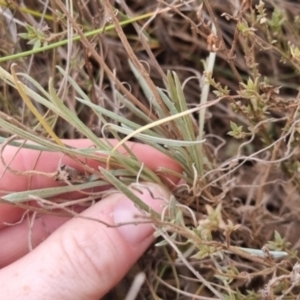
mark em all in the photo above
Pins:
pixel 27 159
pixel 48 162
pixel 84 259
pixel 9 214
pixel 18 239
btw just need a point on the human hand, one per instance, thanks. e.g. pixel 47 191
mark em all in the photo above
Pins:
pixel 74 258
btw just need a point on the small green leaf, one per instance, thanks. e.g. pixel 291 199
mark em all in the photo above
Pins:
pixel 32 42
pixel 37 44
pixel 237 131
pixel 24 35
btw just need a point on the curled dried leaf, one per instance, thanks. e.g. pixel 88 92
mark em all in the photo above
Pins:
pixel 69 174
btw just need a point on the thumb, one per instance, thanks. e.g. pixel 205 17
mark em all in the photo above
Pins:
pixel 84 259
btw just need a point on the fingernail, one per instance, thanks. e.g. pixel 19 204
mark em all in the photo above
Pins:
pixel 126 212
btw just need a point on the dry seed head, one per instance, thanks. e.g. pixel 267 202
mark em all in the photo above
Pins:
pixel 212 43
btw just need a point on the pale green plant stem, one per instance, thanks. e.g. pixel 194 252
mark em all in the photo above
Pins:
pixel 203 100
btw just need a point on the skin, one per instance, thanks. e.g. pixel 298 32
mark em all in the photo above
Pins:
pixel 72 258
